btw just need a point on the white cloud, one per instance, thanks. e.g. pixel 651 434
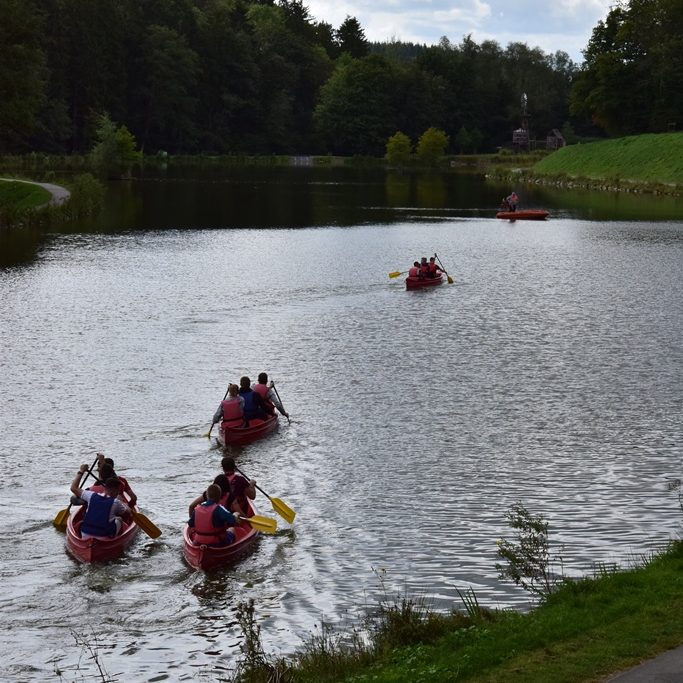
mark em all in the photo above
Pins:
pixel 551 25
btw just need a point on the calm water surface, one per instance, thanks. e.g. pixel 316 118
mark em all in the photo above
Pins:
pixel 549 373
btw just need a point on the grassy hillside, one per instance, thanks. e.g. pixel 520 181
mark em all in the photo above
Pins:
pixel 651 158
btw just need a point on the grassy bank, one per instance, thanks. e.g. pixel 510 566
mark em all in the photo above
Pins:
pixel 20 196
pixel 25 204
pixel 641 163
pixel 652 158
pixel 583 631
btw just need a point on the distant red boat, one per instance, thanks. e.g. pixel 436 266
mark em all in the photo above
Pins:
pixel 209 557
pixel 420 282
pixel 233 436
pixel 99 548
pixel 526 215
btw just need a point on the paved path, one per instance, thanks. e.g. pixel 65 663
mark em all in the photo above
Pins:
pixel 59 194
pixel 666 668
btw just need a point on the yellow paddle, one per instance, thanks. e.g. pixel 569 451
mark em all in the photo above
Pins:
pixel 208 434
pixel 63 515
pixel 450 279
pixel 278 505
pixel 396 273
pixel 260 523
pixel 146 524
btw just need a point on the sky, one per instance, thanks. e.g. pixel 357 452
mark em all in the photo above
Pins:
pixel 549 24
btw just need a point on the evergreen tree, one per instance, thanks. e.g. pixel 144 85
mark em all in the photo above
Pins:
pixel 115 152
pixel 351 38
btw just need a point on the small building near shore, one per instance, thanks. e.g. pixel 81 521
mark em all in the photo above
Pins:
pixel 555 140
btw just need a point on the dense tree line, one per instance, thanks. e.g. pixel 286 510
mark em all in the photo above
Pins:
pixel 632 80
pixel 262 76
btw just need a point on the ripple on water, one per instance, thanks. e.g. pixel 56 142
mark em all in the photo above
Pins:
pixel 550 374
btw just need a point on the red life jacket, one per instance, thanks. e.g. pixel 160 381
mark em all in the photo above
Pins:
pixel 431 269
pixel 424 270
pixel 413 272
pixel 233 415
pixel 204 530
pixel 262 390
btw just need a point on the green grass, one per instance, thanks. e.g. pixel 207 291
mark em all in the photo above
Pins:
pixel 585 631
pixel 20 196
pixel 649 158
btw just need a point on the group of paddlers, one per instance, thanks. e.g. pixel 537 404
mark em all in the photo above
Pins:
pixel 213 516
pixel 108 502
pixel 425 269
pixel 247 402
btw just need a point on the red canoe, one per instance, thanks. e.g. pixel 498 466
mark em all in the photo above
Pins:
pixel 232 436
pixel 420 282
pixel 527 215
pixel 99 548
pixel 208 557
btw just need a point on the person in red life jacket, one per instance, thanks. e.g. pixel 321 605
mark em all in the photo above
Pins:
pixel 512 201
pixel 231 409
pixel 211 522
pixel 432 269
pixel 221 481
pixel 424 267
pixel 254 407
pixel 105 513
pixel 414 271
pixel 104 473
pixel 267 393
pixel 241 489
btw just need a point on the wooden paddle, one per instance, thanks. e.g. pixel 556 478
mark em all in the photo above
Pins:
pixel 146 524
pixel 272 384
pixel 63 515
pixel 208 434
pixel 396 273
pixel 278 505
pixel 450 279
pixel 266 524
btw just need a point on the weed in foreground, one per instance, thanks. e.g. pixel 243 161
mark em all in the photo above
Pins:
pixel 90 649
pixel 255 666
pixel 528 561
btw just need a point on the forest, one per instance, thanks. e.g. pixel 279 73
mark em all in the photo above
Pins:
pixel 263 77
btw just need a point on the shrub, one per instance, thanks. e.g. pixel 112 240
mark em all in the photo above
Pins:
pixel 431 146
pixel 399 149
pixel 528 559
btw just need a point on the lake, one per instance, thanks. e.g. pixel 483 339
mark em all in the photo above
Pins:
pixel 550 372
